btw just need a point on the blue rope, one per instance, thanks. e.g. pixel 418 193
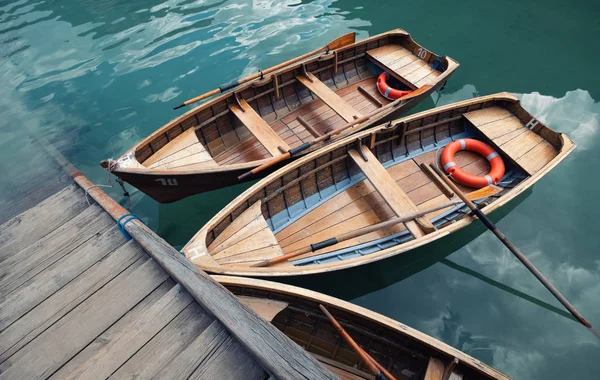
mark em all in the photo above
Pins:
pixel 122 225
pixel 438 64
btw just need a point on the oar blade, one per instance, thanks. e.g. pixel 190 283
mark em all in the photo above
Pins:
pixel 484 192
pixel 342 41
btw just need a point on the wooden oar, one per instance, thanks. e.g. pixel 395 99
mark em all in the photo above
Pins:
pixel 294 151
pixel 377 369
pixel 342 41
pixel 482 193
pixel 515 251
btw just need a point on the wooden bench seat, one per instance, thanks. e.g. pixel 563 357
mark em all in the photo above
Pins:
pixel 403 65
pixel 333 100
pixel 259 128
pixel 389 190
pixel 522 145
pixel 184 152
pixel 435 370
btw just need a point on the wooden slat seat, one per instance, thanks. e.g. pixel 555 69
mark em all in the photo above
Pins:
pixel 259 128
pixel 389 190
pixel 513 138
pixel 403 65
pixel 435 370
pixel 333 100
pixel 184 151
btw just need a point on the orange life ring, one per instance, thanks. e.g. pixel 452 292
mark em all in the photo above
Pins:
pixel 387 91
pixel 460 176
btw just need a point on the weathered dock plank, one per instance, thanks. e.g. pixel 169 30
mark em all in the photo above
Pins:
pixel 133 336
pixel 73 238
pixel 100 342
pixel 45 313
pixel 166 345
pixel 61 341
pixel 78 300
pixel 35 223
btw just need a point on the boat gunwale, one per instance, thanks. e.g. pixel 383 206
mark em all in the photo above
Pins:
pixel 451 67
pixel 567 146
pixel 365 313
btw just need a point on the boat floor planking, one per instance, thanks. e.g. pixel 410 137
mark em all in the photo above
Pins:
pixel 405 352
pixel 257 121
pixel 326 194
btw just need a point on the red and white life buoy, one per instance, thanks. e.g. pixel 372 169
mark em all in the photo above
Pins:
pixel 386 90
pixel 467 179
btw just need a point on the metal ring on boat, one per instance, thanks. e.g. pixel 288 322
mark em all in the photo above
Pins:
pixel 493 177
pixel 386 90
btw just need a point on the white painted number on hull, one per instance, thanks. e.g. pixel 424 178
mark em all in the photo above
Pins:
pixel 167 181
pixel 422 53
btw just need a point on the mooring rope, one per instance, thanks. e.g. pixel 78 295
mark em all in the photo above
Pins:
pixel 112 165
pixel 91 187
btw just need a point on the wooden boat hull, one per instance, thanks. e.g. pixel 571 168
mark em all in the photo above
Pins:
pixel 404 351
pixel 210 146
pixel 168 187
pixel 334 191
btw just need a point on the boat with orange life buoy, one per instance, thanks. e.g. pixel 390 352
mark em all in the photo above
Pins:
pixel 276 115
pixel 374 195
pixel 477 181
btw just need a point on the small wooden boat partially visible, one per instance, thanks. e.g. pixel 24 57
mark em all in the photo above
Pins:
pixel 290 109
pixel 405 352
pixel 309 217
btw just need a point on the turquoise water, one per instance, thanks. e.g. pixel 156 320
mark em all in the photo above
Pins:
pixel 94 77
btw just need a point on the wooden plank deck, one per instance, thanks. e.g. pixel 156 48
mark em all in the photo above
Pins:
pixel 79 300
pixel 525 148
pixel 184 151
pixel 403 65
pixel 321 118
pixel 361 205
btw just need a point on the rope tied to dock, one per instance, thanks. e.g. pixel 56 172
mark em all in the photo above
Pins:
pixel 123 220
pixel 112 165
pixel 91 187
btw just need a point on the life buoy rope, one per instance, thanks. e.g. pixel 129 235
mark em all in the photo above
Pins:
pixel 387 91
pixel 497 164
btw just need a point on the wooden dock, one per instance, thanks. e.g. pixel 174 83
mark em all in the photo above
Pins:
pixel 79 300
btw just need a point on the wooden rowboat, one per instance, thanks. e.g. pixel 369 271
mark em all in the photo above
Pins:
pixel 405 352
pixel 375 175
pixel 291 108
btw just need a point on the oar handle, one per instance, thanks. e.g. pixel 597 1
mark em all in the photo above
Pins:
pixel 515 251
pixel 204 96
pixel 279 259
